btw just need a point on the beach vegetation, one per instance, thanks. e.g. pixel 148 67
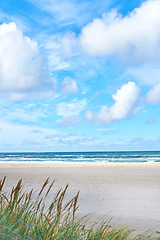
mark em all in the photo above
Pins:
pixel 28 216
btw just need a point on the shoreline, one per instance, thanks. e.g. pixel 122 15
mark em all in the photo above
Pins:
pixel 74 164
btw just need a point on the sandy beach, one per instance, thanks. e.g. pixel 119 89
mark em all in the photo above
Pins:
pixel 127 193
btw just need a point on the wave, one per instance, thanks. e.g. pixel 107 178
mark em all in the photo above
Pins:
pixel 153 157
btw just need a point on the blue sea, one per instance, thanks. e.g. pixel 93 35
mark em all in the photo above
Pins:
pixel 115 157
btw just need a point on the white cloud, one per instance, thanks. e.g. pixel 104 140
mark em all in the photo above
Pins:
pixel 68 12
pixel 69 86
pixel 73 108
pixel 72 140
pixel 61 11
pixel 21 65
pixel 15 134
pixel 153 96
pixel 135 36
pixel 147 74
pixel 69 121
pixel 69 44
pixel 125 100
pixel 56 59
pixel 60 49
pixel 22 114
pixel 19 20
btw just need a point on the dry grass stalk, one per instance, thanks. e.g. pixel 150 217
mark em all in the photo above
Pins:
pixel 39 204
pixel 50 188
pixel 60 200
pixel 53 203
pixel 17 190
pixel 20 198
pixel 4 196
pixel 42 210
pixel 75 204
pixel 44 185
pixel 69 203
pixel 28 196
pixel 2 183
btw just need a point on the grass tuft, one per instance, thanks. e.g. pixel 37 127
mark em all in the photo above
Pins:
pixel 23 216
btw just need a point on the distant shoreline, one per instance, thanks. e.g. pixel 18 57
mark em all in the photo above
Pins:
pixel 52 164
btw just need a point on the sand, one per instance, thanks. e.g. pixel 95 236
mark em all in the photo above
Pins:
pixel 129 193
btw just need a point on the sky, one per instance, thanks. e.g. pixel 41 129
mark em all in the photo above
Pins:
pixel 79 75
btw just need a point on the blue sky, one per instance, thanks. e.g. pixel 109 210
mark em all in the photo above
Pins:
pixel 79 75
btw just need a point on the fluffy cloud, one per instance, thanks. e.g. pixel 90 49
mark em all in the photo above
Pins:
pixel 21 65
pixel 125 100
pixel 135 36
pixel 69 86
pixel 153 96
pixel 73 108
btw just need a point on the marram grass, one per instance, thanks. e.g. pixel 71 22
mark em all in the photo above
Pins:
pixel 24 217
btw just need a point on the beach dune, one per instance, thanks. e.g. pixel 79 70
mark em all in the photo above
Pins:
pixel 127 193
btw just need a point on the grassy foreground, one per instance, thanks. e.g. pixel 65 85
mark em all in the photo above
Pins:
pixel 24 216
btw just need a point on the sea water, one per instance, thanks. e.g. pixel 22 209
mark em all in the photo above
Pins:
pixel 126 157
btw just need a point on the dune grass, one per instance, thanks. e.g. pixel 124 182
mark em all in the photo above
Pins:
pixel 24 216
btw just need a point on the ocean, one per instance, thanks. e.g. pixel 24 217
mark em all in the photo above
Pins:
pixel 115 157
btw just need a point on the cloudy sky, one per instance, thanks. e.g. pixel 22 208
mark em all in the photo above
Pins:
pixel 79 75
